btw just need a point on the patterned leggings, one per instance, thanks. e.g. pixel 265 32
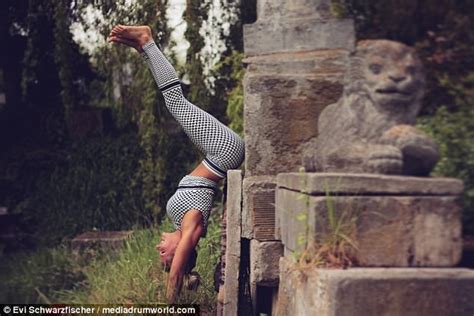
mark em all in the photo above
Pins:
pixel 223 148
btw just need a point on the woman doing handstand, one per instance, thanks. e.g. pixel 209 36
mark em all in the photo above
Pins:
pixel 190 206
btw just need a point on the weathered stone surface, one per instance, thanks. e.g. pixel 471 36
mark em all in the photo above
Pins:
pixel 232 256
pixel 90 243
pixel 296 26
pixel 264 262
pixel 258 216
pixel 394 231
pixel 329 64
pixel 297 34
pixel 281 108
pixel 370 129
pixel 275 9
pixel 366 183
pixel 291 212
pixel 375 291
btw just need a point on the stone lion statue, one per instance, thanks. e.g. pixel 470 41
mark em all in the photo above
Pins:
pixel 370 129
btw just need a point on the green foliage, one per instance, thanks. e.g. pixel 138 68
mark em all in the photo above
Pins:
pixel 235 99
pixel 195 13
pixel 454 132
pixel 94 187
pixel 339 9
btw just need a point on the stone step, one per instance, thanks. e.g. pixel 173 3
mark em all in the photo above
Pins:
pixel 375 291
pixel 391 224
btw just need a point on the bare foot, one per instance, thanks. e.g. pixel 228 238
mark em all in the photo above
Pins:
pixel 139 34
pixel 124 41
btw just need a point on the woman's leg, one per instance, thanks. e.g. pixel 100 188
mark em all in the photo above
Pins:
pixel 223 148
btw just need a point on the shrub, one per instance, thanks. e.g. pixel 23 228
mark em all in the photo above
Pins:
pixel 94 188
pixel 454 132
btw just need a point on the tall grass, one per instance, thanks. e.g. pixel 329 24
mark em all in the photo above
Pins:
pixel 29 277
pixel 133 275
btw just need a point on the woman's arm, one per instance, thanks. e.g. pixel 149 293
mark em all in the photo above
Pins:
pixel 191 230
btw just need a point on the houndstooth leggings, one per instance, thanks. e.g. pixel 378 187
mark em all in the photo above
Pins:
pixel 223 148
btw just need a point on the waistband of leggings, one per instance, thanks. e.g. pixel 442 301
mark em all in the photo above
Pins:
pixel 197 182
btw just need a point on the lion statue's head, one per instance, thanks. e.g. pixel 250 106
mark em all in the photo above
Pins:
pixel 389 73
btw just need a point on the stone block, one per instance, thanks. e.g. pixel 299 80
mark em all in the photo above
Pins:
pixel 258 216
pixel 297 34
pixel 264 262
pixel 368 184
pixel 269 10
pixel 387 229
pixel 232 255
pixel 291 212
pixel 284 94
pixel 374 291
pixel 91 243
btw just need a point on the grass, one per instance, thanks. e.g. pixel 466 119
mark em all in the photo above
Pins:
pixel 25 277
pixel 132 275
pixel 334 246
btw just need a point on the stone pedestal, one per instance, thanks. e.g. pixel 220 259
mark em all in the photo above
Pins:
pixel 374 291
pixel 392 220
